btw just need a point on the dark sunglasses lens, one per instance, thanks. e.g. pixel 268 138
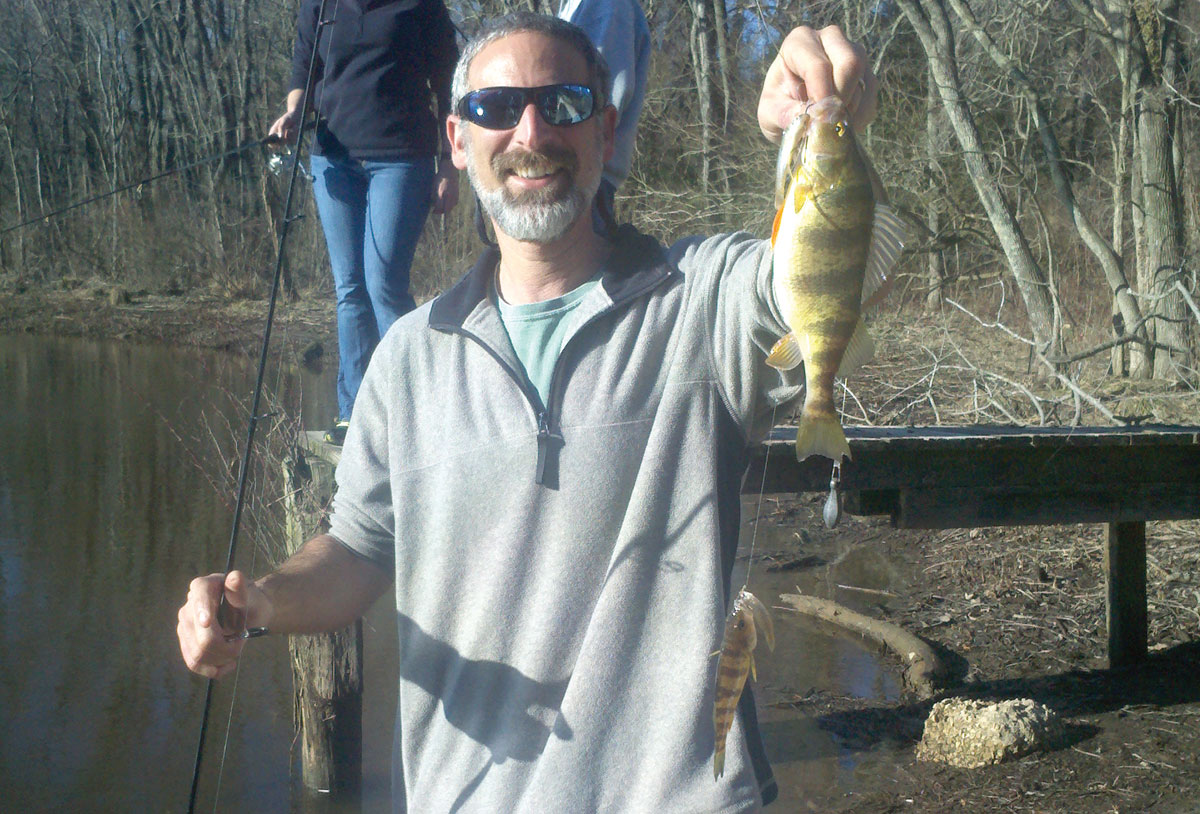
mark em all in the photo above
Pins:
pixel 501 108
pixel 565 104
pixel 494 108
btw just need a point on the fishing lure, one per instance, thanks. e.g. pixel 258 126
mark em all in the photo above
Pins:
pixel 735 660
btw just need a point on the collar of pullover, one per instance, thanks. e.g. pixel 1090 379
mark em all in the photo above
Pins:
pixel 637 263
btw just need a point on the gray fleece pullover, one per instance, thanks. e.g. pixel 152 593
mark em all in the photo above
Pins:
pixel 562 576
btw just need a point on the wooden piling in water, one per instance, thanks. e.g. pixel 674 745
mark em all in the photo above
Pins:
pixel 327 668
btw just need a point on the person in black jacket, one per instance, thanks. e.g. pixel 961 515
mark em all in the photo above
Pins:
pixel 376 164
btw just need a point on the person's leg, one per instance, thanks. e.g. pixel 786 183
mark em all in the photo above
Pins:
pixel 397 202
pixel 340 189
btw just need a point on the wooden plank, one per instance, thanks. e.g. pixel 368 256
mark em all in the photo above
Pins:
pixel 1040 460
pixel 973 434
pixel 1125 574
pixel 314 442
pixel 1002 506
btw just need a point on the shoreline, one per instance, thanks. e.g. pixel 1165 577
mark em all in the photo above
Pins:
pixel 199 319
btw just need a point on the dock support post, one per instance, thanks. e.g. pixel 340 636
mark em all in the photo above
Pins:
pixel 326 668
pixel 1125 579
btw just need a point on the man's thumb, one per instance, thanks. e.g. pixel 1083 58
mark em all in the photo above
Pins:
pixel 237 594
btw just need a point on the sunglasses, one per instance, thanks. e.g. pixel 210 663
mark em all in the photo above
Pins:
pixel 502 108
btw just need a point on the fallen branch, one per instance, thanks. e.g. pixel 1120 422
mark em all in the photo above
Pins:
pixel 1188 299
pixel 923 670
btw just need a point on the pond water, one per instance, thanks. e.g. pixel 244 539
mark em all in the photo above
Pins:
pixel 116 487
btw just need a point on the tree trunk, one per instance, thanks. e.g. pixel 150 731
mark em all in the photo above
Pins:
pixel 936 269
pixel 16 259
pixel 702 69
pixel 722 59
pixel 1127 360
pixel 1162 216
pixel 928 18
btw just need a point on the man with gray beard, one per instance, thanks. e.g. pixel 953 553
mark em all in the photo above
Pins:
pixel 545 464
pixel 537 216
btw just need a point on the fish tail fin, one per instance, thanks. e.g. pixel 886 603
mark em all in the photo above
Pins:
pixel 821 435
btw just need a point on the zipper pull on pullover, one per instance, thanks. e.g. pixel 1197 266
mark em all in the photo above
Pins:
pixel 544 439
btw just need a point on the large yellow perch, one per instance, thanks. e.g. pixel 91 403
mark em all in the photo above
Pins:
pixel 835 244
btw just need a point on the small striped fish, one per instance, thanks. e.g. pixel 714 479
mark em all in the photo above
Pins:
pixel 835 243
pixel 734 662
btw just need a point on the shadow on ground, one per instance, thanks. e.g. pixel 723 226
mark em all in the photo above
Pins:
pixel 1165 679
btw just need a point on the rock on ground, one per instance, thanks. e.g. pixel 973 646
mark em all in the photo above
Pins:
pixel 968 734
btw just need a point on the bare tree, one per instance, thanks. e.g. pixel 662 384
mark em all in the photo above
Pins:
pixel 932 26
pixel 1052 145
pixel 1110 262
pixel 1156 73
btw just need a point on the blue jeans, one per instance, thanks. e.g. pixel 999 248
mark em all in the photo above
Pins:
pixel 372 213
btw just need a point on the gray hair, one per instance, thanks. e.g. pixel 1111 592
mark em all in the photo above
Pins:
pixel 599 79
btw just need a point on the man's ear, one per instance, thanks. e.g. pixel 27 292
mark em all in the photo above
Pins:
pixel 456 134
pixel 609 128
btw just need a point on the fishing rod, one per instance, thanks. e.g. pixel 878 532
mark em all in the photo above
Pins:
pixel 241 148
pixel 243 474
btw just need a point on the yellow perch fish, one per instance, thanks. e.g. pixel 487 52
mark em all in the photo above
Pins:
pixel 734 662
pixel 835 243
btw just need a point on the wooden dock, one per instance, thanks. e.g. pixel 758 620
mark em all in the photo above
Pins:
pixel 966 477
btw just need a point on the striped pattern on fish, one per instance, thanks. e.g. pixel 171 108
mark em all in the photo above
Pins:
pixel 735 661
pixel 835 244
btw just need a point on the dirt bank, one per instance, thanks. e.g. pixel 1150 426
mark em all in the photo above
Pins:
pixel 1019 613
pixel 1016 612
pixel 202 319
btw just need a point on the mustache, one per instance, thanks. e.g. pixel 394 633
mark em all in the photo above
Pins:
pixel 551 159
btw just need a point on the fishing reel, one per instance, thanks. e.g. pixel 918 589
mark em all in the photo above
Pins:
pixel 282 159
pixel 275 161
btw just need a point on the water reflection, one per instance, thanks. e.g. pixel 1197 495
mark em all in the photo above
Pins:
pixel 111 498
pixel 812 765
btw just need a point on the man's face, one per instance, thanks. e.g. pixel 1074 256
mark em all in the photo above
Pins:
pixel 535 180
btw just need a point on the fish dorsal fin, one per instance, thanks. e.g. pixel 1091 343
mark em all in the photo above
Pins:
pixel 888 235
pixel 775 225
pixel 859 351
pixel 881 196
pixel 786 354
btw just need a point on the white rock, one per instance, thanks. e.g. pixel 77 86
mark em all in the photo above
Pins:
pixel 969 733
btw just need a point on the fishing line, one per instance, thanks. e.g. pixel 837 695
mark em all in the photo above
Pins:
pixel 762 488
pixel 243 474
pixel 262 142
pixel 237 675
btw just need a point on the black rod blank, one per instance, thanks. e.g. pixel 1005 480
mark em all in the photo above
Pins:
pixel 243 474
